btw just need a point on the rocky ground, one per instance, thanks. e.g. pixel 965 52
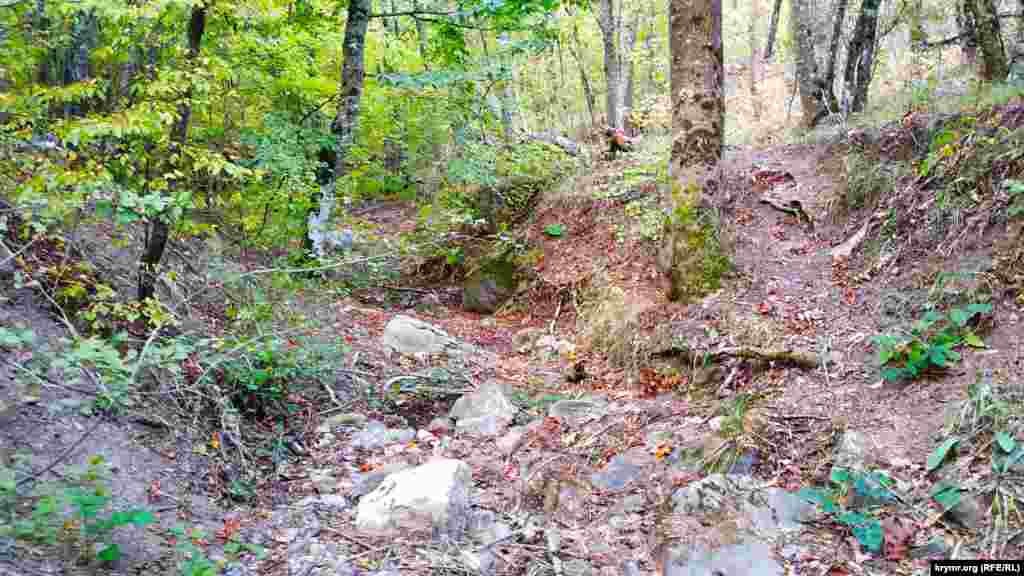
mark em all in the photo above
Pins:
pixel 591 427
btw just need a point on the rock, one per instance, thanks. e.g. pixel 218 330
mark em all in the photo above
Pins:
pixel 744 559
pixel 324 480
pixel 575 410
pixel 968 512
pixel 411 336
pixel 621 470
pixel 486 290
pixel 440 426
pixel 577 567
pixel 377 435
pixel 434 496
pixel 511 441
pixel 485 529
pixel 487 411
pixel 368 482
pixel 850 452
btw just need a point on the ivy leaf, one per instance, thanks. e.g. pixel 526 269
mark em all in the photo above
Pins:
pixel 109 554
pixel 104 208
pixel 554 230
pixel 892 374
pixel 1006 442
pixel 959 317
pixel 972 340
pixel 938 456
pixel 946 495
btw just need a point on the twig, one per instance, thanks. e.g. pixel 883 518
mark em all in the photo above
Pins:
pixel 35 475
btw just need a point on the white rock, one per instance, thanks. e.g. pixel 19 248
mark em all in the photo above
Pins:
pixel 411 336
pixel 435 495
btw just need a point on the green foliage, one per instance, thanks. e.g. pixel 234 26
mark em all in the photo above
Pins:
pixel 930 342
pixel 696 256
pixel 75 512
pixel 1015 188
pixel 867 487
pixel 257 375
pixel 554 230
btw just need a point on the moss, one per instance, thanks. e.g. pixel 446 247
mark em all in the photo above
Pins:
pixel 698 261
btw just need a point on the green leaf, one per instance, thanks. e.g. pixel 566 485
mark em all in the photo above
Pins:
pixel 104 208
pixel 1006 442
pixel 937 356
pixel 959 317
pixel 869 535
pixel 892 374
pixel 977 308
pixel 972 340
pixel 938 456
pixel 109 554
pixel 946 495
pixel 840 475
pixel 554 230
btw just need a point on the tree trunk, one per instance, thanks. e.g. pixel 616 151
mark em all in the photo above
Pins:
pixel 698 124
pixel 346 121
pixel 628 68
pixel 698 103
pixel 577 54
pixel 990 38
pixel 968 33
pixel 609 25
pixel 833 47
pixel 860 56
pixel 421 35
pixel 755 17
pixel 808 81
pixel 773 28
pixel 160 229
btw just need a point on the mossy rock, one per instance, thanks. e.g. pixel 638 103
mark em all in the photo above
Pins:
pixel 487 289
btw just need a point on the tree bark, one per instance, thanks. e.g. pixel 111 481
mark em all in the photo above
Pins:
pixel 755 17
pixel 833 47
pixel 990 38
pixel 698 125
pixel 860 56
pixel 160 228
pixel 346 121
pixel 808 81
pixel 609 25
pixel 577 54
pixel 698 103
pixel 968 32
pixel 773 28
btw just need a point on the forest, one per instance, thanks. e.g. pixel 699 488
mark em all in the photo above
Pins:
pixel 510 286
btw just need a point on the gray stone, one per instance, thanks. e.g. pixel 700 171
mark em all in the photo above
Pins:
pixel 368 482
pixel 435 495
pixel 512 440
pixel 486 411
pixel 411 336
pixel 743 559
pixel 576 409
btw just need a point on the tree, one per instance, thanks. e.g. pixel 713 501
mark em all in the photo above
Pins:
pixel 698 130
pixel 860 55
pixel 346 119
pixel 990 38
pixel 160 226
pixel 617 40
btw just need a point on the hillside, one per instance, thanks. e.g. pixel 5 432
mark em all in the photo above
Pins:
pixel 586 425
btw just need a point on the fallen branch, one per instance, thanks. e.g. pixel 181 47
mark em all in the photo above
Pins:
pixel 568 146
pixel 801 358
